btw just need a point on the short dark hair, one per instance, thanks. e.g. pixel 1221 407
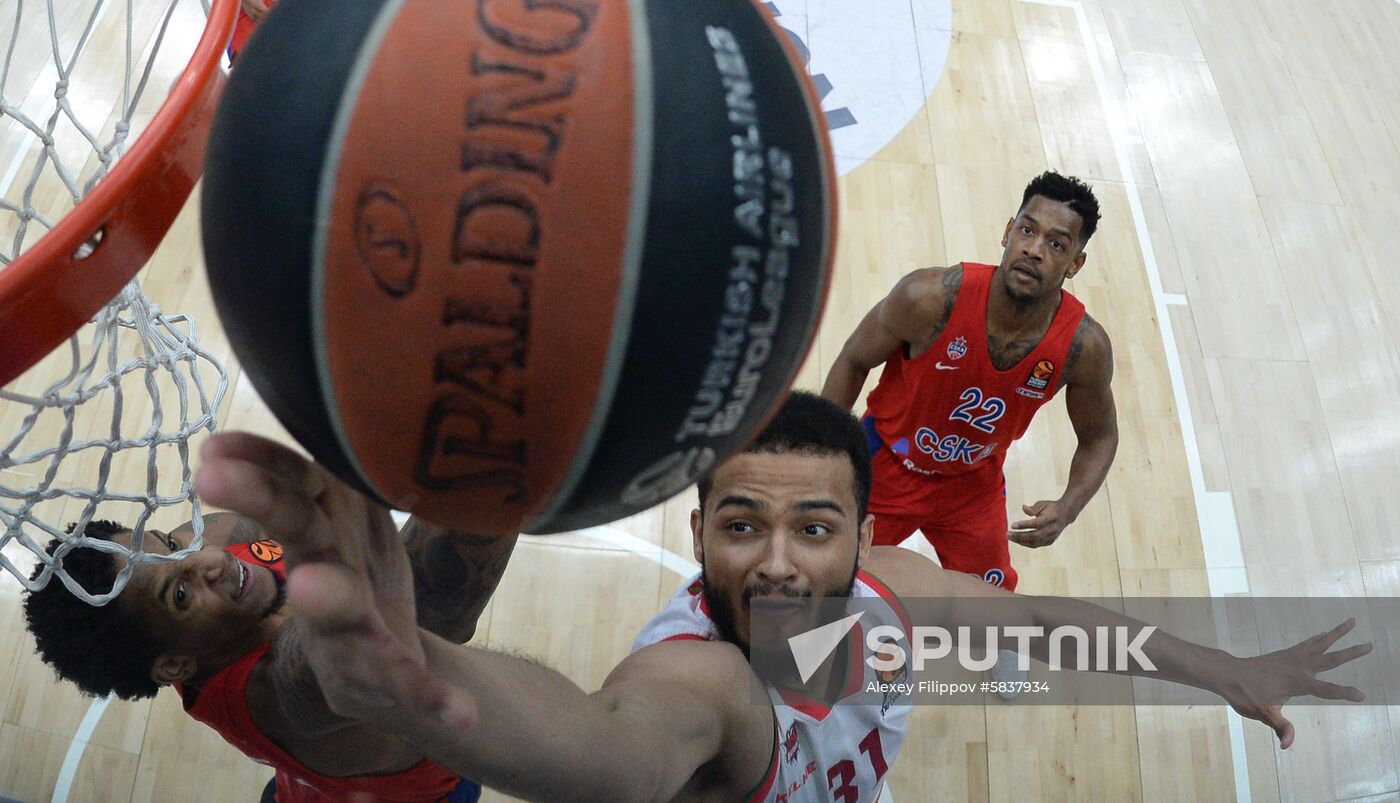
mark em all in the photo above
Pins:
pixel 1070 191
pixel 809 424
pixel 102 649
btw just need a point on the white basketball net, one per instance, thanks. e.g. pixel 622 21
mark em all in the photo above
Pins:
pixel 109 438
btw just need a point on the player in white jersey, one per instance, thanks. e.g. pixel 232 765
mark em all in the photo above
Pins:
pixel 852 745
pixel 675 719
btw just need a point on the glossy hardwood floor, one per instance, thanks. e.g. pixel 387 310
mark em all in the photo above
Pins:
pixel 1246 154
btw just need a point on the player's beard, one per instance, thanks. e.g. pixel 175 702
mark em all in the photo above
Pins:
pixel 1019 297
pixel 722 612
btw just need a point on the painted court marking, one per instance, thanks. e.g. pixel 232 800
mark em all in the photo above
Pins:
pixel 1215 510
pixel 77 747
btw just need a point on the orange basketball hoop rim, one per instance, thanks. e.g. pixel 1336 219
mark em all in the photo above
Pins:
pixel 48 292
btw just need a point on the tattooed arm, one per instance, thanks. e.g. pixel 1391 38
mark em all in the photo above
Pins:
pixel 1092 412
pixel 454 575
pixel 1089 401
pixel 911 317
pixel 288 706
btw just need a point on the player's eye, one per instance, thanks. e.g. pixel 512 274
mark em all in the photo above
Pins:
pixel 180 596
pixel 1057 245
pixel 172 543
pixel 817 530
pixel 740 527
pixel 1026 230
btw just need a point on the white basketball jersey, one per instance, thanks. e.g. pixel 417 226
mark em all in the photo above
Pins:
pixel 822 753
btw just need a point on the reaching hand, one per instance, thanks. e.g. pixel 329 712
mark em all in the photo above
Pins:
pixel 1050 519
pixel 349 579
pixel 1260 687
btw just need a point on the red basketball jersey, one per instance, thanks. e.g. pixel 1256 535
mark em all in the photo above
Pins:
pixel 221 703
pixel 948 410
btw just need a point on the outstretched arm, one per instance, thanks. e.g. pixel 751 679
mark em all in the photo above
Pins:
pixel 458 573
pixel 663 714
pixel 454 575
pixel 1092 413
pixel 1256 687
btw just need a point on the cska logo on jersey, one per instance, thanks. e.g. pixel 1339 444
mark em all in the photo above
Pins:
pixel 790 744
pixel 958 348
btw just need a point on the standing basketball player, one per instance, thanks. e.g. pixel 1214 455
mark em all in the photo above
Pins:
pixel 971 352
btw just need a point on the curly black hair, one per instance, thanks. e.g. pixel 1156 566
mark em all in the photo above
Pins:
pixel 1070 191
pixel 809 424
pixel 102 649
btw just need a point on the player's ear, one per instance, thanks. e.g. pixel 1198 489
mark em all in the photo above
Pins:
pixel 170 669
pixel 1076 264
pixel 1006 235
pixel 867 536
pixel 696 521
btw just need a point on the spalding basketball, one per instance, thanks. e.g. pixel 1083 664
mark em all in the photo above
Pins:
pixel 519 264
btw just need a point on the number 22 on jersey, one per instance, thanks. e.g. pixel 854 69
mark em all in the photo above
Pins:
pixel 978 410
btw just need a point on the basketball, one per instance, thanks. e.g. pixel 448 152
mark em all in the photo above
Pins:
pixel 519 264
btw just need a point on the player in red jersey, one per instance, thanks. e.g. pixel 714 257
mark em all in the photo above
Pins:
pixel 971 352
pixel 215 627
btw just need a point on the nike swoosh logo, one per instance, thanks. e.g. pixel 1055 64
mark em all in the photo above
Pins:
pixel 940 366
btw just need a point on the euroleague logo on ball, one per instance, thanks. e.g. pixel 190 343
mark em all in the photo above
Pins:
pixel 873 70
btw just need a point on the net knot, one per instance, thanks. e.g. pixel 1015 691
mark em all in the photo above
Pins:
pixel 60 89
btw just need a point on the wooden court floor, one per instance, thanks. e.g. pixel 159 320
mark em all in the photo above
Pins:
pixel 1246 154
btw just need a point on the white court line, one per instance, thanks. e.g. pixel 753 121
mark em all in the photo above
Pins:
pixel 76 748
pixel 614 536
pixel 1215 510
pixel 679 564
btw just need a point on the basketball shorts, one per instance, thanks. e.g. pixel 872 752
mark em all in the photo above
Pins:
pixel 963 516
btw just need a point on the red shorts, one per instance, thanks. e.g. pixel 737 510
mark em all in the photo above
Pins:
pixel 962 515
